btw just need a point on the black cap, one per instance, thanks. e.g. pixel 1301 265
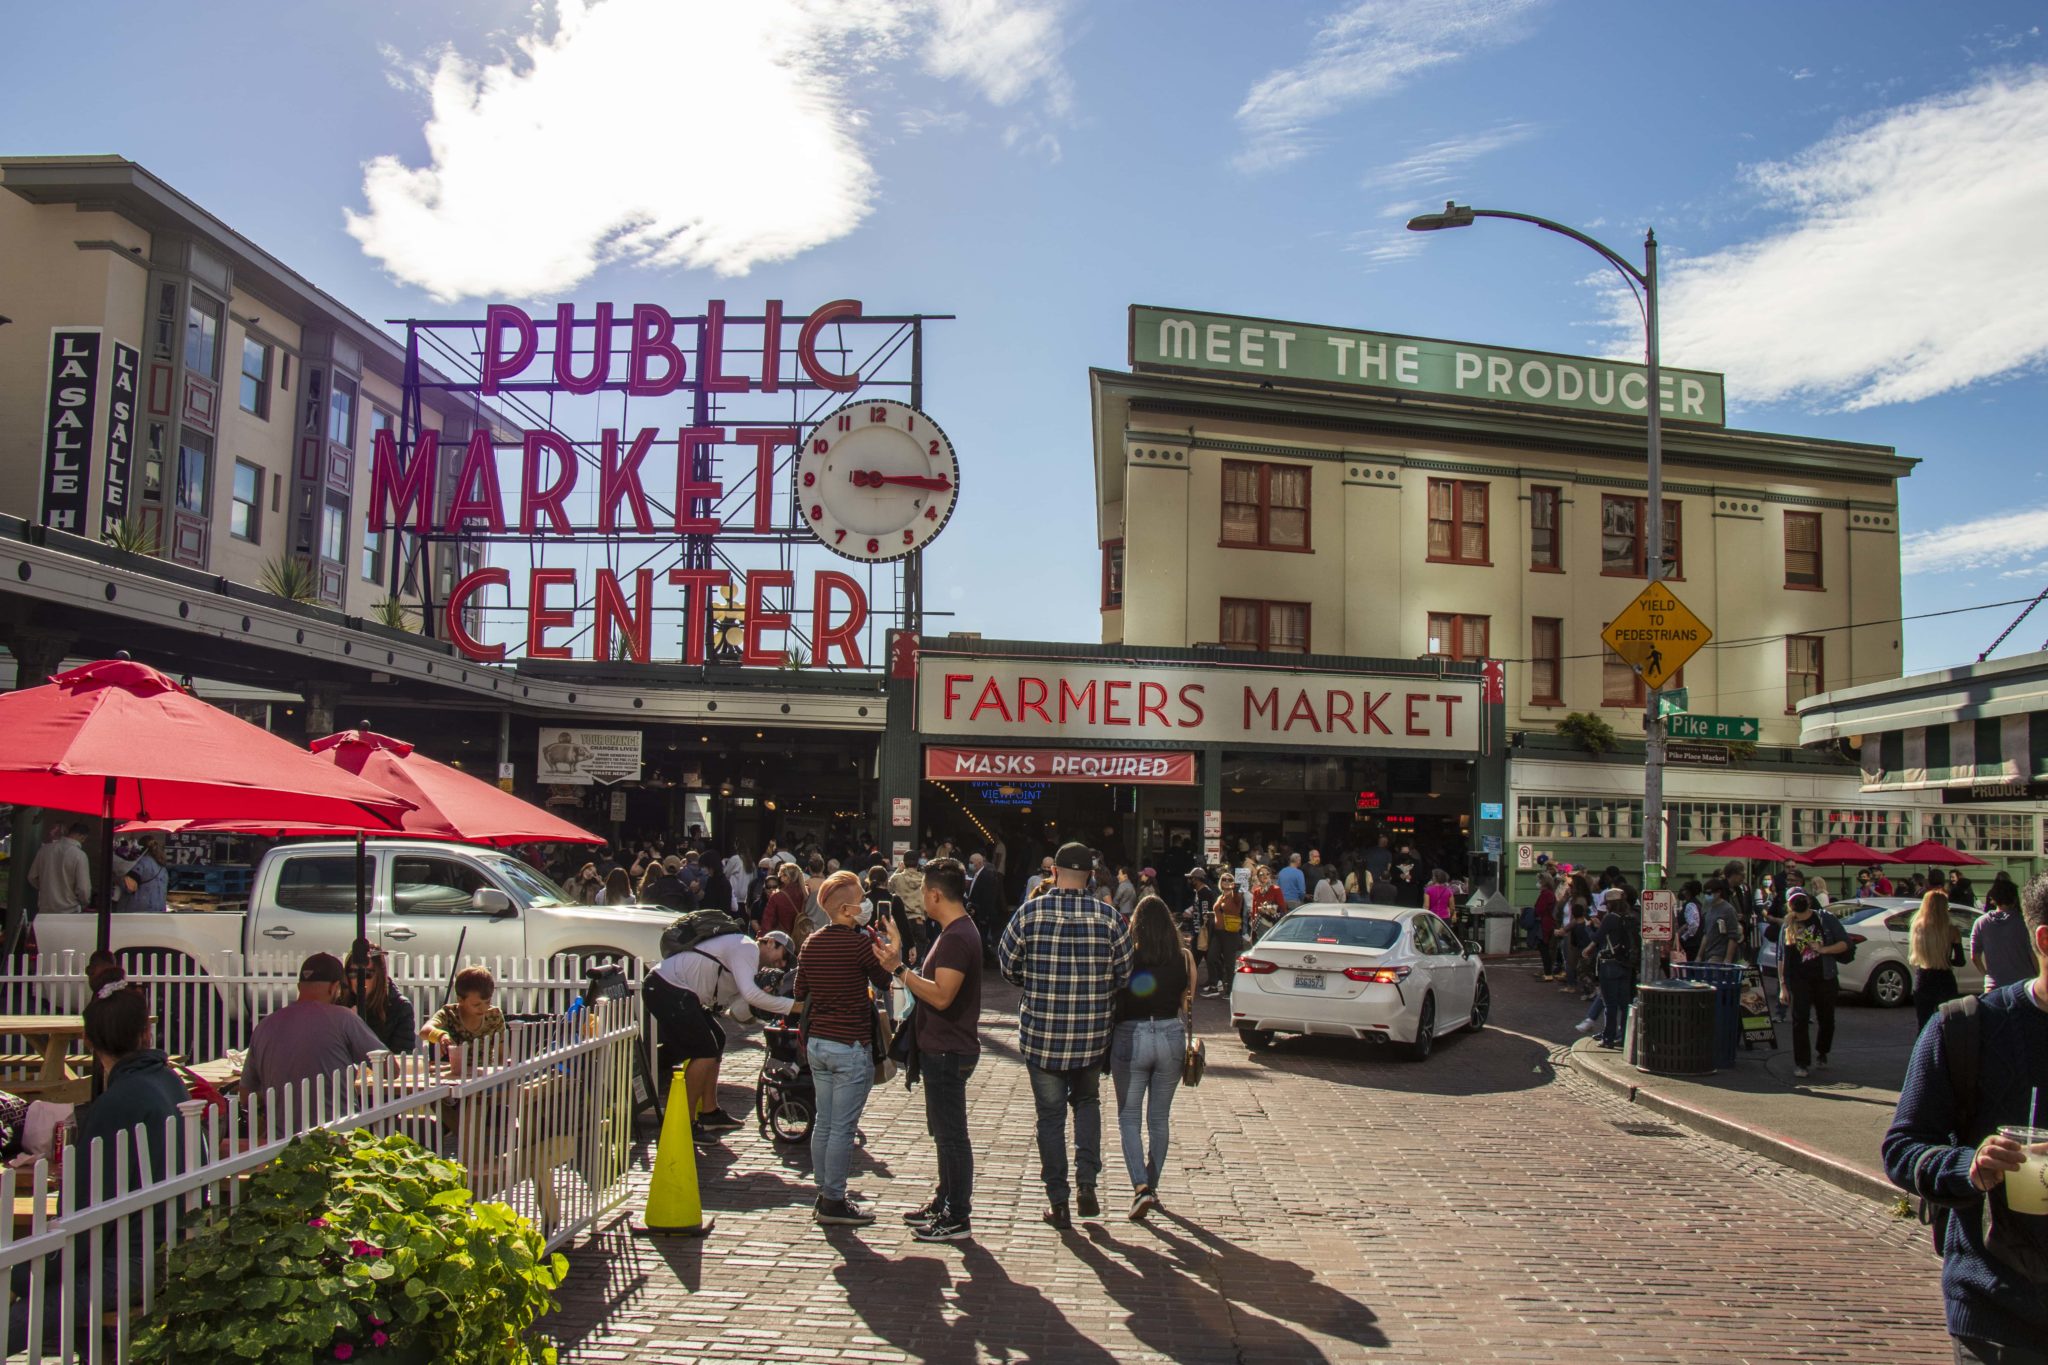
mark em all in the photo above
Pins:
pixel 1075 858
pixel 321 967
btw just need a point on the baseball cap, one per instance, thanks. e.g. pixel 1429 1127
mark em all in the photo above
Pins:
pixel 780 940
pixel 672 862
pixel 1075 858
pixel 1198 874
pixel 321 967
pixel 1615 893
pixel 1800 896
pixel 1151 874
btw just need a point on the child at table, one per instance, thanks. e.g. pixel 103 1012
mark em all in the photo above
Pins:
pixel 470 1017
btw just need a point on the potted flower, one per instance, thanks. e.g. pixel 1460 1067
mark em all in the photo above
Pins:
pixel 351 1247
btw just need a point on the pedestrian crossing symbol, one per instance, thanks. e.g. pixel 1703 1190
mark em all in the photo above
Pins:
pixel 1656 634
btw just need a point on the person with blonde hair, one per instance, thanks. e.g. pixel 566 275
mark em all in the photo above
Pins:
pixel 1935 953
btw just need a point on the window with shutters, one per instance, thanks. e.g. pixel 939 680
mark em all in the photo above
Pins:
pixel 1275 627
pixel 1620 685
pixel 1804 674
pixel 1457 522
pixel 1458 636
pixel 1265 506
pixel 1802 550
pixel 1546 531
pixel 1622 548
pixel 1546 661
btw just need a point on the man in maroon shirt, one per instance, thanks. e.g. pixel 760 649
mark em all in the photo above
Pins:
pixel 948 994
pixel 834 971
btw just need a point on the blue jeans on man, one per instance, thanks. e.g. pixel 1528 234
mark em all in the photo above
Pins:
pixel 945 1117
pixel 1055 1092
pixel 1617 982
pixel 843 1074
pixel 1144 1063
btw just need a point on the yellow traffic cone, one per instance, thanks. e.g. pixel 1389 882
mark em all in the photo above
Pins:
pixel 673 1207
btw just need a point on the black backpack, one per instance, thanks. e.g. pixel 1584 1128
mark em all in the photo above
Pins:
pixel 698 926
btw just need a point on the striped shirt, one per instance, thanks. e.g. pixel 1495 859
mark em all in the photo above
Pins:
pixel 833 973
pixel 1070 956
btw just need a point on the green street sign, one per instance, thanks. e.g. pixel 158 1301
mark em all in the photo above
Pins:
pixel 1727 729
pixel 1673 701
pixel 1189 341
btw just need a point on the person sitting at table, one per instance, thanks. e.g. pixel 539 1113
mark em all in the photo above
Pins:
pixel 388 1013
pixel 470 1016
pixel 311 1038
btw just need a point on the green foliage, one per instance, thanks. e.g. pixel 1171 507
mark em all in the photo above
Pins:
pixel 394 613
pixel 291 578
pixel 1594 734
pixel 353 1247
pixel 795 661
pixel 131 535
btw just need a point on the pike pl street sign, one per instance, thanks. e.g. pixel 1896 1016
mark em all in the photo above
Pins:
pixel 1656 634
pixel 1725 729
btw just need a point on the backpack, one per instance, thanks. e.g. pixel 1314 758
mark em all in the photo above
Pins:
pixel 698 926
pixel 1847 938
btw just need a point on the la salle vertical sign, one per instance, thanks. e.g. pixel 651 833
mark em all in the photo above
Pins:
pixel 68 428
pixel 120 437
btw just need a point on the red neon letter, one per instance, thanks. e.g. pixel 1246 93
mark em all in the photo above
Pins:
pixel 807 346
pixel 1413 699
pixel 771 348
pixel 844 636
pixel 534 499
pixel 541 618
pixel 697 585
pixel 1449 700
pixel 611 607
pixel 764 440
pixel 565 350
pixel 499 319
pixel 1152 702
pixel 952 692
pixel 711 354
pixel 1193 703
pixel 479 468
pixel 618 478
pixel 690 490
pixel 753 653
pixel 654 333
pixel 413 491
pixel 458 602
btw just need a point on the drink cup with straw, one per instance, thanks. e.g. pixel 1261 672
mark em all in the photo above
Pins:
pixel 2026 1189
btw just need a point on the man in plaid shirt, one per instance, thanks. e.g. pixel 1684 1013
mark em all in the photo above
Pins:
pixel 1067 952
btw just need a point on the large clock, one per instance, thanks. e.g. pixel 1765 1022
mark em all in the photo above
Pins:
pixel 876 480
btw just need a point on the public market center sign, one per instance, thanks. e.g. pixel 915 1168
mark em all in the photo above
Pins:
pixel 1300 353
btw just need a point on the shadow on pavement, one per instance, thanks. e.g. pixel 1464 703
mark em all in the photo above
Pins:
pixel 921 1306
pixel 1485 1063
pixel 1275 1288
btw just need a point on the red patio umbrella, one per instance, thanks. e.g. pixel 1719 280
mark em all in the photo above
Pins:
pixel 1748 846
pixel 1933 853
pixel 1843 853
pixel 120 740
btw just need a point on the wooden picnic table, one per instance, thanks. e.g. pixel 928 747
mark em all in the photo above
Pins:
pixel 53 1034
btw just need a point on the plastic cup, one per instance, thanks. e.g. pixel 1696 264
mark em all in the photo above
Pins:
pixel 2026 1189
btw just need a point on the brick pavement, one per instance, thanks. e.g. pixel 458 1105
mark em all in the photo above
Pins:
pixel 1326 1202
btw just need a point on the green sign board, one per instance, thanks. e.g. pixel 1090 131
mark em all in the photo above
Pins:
pixel 1727 729
pixel 1673 701
pixel 1339 358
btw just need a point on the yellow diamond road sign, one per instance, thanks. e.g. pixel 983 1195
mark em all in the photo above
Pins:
pixel 1656 634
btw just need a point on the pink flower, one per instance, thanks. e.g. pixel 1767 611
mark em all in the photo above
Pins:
pixel 342 1350
pixel 378 1338
pixel 316 1222
pixel 359 1247
pixel 374 1320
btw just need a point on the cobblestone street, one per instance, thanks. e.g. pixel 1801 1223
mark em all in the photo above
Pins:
pixel 1324 1202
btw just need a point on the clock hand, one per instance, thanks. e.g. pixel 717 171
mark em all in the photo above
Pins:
pixel 875 478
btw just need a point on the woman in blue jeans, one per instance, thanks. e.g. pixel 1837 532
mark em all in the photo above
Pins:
pixel 1145 1053
pixel 838 979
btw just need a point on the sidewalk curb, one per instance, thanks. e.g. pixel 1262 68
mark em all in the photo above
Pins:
pixel 1762 1141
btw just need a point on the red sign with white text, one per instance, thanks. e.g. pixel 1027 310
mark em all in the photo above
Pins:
pixel 1140 767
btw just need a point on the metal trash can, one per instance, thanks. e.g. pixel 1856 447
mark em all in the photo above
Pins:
pixel 1497 932
pixel 1726 979
pixel 1675 1028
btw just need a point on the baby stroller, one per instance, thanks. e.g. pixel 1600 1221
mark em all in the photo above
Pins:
pixel 785 1098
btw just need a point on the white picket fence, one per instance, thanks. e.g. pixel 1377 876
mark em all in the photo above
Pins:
pixel 540 1118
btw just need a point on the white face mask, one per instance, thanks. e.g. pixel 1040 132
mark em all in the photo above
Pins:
pixel 867 912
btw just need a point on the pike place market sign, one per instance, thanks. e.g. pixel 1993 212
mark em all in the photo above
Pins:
pixel 1194 342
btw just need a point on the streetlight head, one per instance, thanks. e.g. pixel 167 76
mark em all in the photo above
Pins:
pixel 1453 216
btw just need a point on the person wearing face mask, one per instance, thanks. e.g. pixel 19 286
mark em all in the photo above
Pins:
pixel 1814 943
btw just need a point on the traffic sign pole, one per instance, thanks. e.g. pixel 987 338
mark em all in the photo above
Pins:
pixel 1653 726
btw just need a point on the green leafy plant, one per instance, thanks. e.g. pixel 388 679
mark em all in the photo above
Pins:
pixel 393 613
pixel 132 536
pixel 291 578
pixel 795 661
pixel 354 1247
pixel 1593 734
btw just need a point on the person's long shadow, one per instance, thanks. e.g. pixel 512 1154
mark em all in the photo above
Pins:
pixel 1276 1288
pixel 1173 1308
pixel 903 1300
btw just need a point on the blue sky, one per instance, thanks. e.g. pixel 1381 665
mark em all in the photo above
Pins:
pixel 1848 197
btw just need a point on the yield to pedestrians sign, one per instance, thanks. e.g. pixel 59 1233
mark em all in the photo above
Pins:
pixel 1726 729
pixel 1656 634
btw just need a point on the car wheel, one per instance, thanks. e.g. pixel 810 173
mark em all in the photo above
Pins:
pixel 1888 986
pixel 1482 1005
pixel 1425 1030
pixel 1256 1039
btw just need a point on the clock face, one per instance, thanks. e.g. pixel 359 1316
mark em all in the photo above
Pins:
pixel 876 480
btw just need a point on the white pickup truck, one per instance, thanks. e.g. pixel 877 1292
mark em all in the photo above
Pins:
pixel 427 900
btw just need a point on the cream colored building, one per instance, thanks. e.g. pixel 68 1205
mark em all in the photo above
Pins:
pixel 1394 511
pixel 257 394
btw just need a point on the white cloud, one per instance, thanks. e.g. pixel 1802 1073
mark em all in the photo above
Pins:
pixel 1439 162
pixel 1912 264
pixel 1370 49
pixel 717 136
pixel 1984 543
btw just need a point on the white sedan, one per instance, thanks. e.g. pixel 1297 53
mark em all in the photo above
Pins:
pixel 1359 971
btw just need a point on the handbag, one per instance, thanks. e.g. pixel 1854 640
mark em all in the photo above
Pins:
pixel 880 1041
pixel 1195 1060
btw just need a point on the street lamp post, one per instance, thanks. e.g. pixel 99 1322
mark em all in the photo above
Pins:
pixel 1643 284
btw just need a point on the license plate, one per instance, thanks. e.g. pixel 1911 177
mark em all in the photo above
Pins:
pixel 1308 981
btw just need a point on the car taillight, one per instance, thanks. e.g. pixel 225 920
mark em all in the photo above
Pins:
pixel 1858 938
pixel 1252 966
pixel 1377 976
